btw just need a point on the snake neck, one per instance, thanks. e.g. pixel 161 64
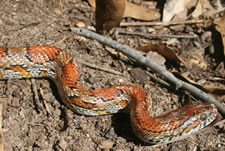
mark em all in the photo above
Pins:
pixel 169 126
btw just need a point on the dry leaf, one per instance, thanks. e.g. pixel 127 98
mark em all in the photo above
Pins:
pixel 198 60
pixel 217 79
pixel 156 57
pixel 208 11
pixel 196 57
pixel 214 91
pixel 221 28
pixel 203 8
pixel 198 10
pixel 92 3
pixel 135 11
pixel 141 13
pixel 108 14
pixel 177 8
pixel 164 51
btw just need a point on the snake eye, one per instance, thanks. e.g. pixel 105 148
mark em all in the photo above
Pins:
pixel 203 117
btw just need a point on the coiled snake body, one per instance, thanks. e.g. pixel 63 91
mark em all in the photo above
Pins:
pixel 53 63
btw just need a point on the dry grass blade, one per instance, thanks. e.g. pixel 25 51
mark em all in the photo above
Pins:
pixel 212 90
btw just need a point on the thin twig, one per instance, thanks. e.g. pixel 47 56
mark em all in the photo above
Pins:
pixel 151 64
pixel 147 35
pixel 60 41
pixel 168 23
pixel 99 68
pixel 45 103
pixel 36 96
pixel 25 26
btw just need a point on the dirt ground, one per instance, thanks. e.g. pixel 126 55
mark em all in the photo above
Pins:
pixel 34 117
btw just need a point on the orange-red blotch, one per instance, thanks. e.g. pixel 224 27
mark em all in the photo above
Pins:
pixel 2 54
pixel 47 53
pixel 107 93
pixel 70 75
pixel 2 50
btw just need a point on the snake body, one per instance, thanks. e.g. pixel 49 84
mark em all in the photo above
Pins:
pixel 55 64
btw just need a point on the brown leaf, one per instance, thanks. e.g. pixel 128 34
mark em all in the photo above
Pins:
pixel 108 14
pixel 198 10
pixel 214 91
pixel 92 3
pixel 164 51
pixel 135 11
pixel 141 13
pixel 204 8
pixel 221 28
pixel 208 10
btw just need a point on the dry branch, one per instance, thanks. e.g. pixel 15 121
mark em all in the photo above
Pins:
pixel 168 23
pixel 151 64
pixel 150 36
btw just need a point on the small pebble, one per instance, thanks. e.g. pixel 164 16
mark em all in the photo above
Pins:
pixel 156 57
pixel 47 97
pixel 15 102
pixel 110 134
pixel 79 24
pixel 139 75
pixel 62 144
pixel 221 125
pixel 121 80
pixel 141 29
pixel 107 144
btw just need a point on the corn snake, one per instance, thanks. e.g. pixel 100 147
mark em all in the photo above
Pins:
pixel 55 64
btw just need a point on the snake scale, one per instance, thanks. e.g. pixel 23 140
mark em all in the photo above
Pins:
pixel 57 65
